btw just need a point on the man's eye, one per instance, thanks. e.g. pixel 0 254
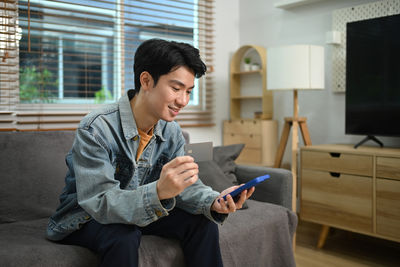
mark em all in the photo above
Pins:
pixel 188 92
pixel 175 89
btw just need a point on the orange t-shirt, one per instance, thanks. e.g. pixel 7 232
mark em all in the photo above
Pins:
pixel 144 140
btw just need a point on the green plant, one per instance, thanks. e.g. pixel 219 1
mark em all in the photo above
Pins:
pixel 102 95
pixel 31 80
pixel 247 60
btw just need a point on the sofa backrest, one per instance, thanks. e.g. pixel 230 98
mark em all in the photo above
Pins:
pixel 32 172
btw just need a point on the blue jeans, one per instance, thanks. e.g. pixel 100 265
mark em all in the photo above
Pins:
pixel 118 244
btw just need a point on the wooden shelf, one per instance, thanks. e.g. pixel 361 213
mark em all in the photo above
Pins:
pixel 238 76
pixel 247 72
pixel 286 4
pixel 246 97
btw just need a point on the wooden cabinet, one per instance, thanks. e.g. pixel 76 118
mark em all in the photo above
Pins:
pixel 352 189
pixel 251 109
pixel 259 136
pixel 388 196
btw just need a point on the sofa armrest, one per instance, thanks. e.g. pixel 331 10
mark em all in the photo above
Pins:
pixel 277 189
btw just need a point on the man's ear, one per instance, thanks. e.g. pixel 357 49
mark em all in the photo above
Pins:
pixel 146 80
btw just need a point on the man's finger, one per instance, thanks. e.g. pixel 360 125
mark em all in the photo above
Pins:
pixel 231 204
pixel 178 161
pixel 188 166
pixel 190 180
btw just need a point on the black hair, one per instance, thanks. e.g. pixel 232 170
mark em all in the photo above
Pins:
pixel 159 57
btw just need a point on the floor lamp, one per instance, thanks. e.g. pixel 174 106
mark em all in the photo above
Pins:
pixel 294 67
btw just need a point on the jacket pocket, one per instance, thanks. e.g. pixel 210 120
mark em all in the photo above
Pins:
pixel 155 171
pixel 123 170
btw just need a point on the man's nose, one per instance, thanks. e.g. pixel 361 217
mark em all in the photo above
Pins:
pixel 182 99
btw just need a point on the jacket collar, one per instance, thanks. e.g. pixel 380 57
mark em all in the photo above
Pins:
pixel 128 122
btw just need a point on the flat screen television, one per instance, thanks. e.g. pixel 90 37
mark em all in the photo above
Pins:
pixel 373 78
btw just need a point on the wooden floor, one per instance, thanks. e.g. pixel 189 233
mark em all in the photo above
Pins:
pixel 343 249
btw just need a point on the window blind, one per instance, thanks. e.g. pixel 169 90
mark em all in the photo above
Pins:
pixel 75 55
pixel 8 63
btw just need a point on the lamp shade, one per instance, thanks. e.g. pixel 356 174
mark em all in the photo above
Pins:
pixel 295 67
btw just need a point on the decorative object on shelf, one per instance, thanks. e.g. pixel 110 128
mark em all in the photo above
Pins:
pixel 257 115
pixel 294 67
pixel 247 63
pixel 255 66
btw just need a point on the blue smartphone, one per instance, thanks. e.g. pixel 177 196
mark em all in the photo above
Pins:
pixel 247 185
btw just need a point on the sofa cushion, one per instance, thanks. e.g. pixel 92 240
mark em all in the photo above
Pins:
pixel 259 236
pixel 32 173
pixel 225 157
pixel 24 244
pixel 219 173
pixel 212 175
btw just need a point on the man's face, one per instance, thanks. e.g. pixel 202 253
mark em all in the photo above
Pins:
pixel 171 94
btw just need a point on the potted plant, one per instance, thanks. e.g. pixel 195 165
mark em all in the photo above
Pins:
pixel 255 66
pixel 247 63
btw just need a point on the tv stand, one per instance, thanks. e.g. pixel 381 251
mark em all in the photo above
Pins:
pixel 369 137
pixel 351 189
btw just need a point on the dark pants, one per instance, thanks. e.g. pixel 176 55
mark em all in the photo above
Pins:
pixel 118 244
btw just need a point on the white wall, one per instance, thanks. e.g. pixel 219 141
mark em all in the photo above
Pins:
pixel 263 24
pixel 240 22
pixel 226 42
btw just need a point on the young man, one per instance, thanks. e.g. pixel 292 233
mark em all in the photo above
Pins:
pixel 127 173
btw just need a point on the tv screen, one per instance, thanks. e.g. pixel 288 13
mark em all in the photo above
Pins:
pixel 373 77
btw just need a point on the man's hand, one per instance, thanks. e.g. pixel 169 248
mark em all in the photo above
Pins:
pixel 229 205
pixel 175 176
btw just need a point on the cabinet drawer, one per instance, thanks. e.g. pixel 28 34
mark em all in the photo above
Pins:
pixel 387 167
pixel 342 201
pixel 250 155
pixel 250 140
pixel 243 127
pixel 388 207
pixel 337 162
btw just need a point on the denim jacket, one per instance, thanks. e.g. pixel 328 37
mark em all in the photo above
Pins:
pixel 105 182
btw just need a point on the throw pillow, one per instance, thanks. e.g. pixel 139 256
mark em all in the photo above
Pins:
pixel 212 175
pixel 225 157
pixel 219 173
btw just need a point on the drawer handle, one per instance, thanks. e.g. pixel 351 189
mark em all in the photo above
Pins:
pixel 335 155
pixel 335 174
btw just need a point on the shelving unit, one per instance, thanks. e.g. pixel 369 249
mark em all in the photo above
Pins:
pixel 286 4
pixel 248 94
pixel 237 75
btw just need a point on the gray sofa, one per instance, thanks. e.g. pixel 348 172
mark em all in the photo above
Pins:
pixel 32 177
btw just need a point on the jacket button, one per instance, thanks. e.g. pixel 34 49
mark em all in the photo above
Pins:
pixel 135 138
pixel 158 213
